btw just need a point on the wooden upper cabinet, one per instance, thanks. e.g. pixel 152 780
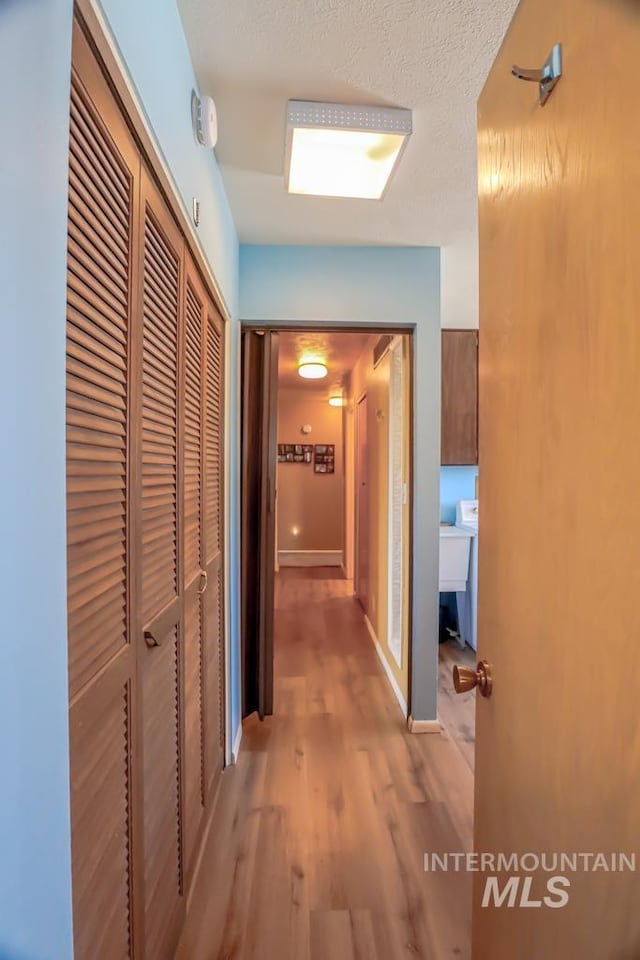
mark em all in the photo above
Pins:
pixel 459 397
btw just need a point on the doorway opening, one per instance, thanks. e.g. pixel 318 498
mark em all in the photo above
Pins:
pixel 326 503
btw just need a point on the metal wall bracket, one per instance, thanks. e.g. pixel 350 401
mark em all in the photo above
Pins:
pixel 547 77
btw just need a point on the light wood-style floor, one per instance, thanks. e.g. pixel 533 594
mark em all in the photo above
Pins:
pixel 316 849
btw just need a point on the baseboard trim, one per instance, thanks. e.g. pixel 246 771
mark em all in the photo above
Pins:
pixel 235 750
pixel 424 726
pixel 310 558
pixel 387 668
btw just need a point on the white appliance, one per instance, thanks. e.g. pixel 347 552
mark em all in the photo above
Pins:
pixel 454 558
pixel 467 519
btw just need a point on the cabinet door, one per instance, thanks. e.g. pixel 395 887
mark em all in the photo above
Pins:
pixel 459 397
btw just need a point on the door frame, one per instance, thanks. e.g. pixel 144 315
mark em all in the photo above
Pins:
pixel 98 32
pixel 363 398
pixel 375 328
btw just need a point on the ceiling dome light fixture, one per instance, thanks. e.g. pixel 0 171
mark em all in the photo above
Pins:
pixel 341 150
pixel 337 401
pixel 312 370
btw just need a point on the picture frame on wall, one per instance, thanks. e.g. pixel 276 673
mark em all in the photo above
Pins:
pixel 325 458
pixel 295 453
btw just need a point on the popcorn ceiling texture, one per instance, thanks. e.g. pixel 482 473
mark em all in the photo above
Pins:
pixel 432 57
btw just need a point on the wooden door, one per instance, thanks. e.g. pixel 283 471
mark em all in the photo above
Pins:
pixel 459 397
pixel 162 573
pixel 362 506
pixel 103 693
pixel 259 445
pixel 195 581
pixel 213 545
pixel 202 456
pixel 558 755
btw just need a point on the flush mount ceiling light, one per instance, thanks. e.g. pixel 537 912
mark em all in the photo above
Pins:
pixel 337 401
pixel 312 370
pixel 336 150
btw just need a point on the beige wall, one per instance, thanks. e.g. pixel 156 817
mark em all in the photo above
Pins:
pixel 375 383
pixel 311 502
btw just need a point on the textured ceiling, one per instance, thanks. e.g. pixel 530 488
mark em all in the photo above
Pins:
pixel 339 351
pixel 431 56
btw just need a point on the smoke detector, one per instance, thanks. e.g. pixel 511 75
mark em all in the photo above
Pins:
pixel 204 118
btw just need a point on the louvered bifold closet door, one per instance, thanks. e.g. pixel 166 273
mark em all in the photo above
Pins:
pixel 213 508
pixel 195 578
pixel 160 664
pixel 103 201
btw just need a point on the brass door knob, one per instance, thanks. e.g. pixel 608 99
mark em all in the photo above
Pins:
pixel 465 679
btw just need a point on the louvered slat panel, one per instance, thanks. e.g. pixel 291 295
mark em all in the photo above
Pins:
pixel 194 724
pixel 214 692
pixel 159 420
pixel 101 811
pixel 213 441
pixel 162 809
pixel 192 434
pixel 97 361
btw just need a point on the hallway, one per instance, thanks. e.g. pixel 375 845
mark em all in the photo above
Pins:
pixel 316 849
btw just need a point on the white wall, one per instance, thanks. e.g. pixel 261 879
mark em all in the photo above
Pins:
pixel 374 286
pixel 35 878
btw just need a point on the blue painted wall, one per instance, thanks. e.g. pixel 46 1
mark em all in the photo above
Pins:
pixel 35 872
pixel 150 37
pixel 384 286
pixel 456 483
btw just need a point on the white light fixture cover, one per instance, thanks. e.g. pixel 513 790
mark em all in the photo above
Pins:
pixel 312 370
pixel 335 150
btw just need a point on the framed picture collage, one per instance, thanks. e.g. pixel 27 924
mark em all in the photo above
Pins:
pixel 322 455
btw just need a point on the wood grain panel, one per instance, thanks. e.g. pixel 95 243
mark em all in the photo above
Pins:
pixel 459 397
pixel 194 736
pixel 214 679
pixel 97 383
pixel 161 278
pixel 558 752
pixel 162 802
pixel 101 814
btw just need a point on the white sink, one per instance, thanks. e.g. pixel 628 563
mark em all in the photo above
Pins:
pixel 455 543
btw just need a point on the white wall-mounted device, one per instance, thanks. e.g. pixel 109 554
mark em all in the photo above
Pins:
pixel 204 118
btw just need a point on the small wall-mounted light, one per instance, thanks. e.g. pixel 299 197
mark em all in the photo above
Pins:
pixel 204 119
pixel 337 401
pixel 312 370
